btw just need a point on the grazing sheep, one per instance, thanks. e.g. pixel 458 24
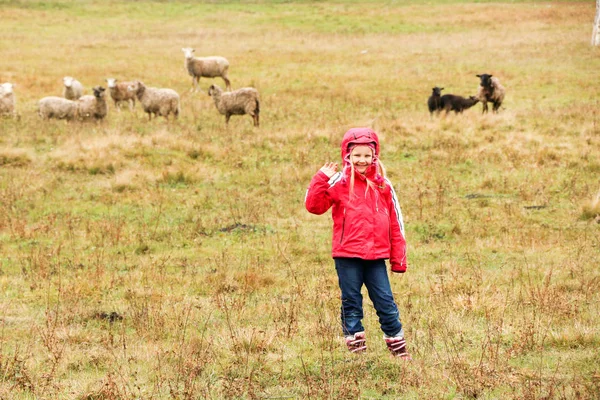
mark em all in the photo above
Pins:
pixel 73 88
pixel 208 67
pixel 93 107
pixel 119 93
pixel 490 90
pixel 433 102
pixel 57 107
pixel 160 102
pixel 7 100
pixel 239 102
pixel 451 102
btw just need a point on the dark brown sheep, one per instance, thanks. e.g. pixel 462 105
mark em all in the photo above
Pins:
pixel 434 102
pixel 490 90
pixel 451 102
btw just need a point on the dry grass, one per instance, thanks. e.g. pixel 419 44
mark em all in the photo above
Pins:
pixel 175 260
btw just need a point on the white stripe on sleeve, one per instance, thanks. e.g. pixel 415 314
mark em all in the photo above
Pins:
pixel 397 207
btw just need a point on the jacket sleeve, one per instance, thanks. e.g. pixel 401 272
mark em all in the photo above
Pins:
pixel 398 242
pixel 318 199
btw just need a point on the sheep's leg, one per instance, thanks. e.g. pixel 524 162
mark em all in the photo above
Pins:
pixel 227 116
pixel 496 106
pixel 131 103
pixel 254 116
pixel 227 84
pixel 484 107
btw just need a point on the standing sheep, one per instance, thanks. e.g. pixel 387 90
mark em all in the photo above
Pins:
pixel 93 107
pixel 57 107
pixel 119 93
pixel 490 90
pixel 208 67
pixel 7 100
pixel 239 102
pixel 73 88
pixel 434 101
pixel 160 102
pixel 451 102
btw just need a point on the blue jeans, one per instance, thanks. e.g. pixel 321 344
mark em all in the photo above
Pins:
pixel 352 274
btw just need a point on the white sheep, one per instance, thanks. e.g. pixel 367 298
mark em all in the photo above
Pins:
pixel 119 93
pixel 208 67
pixel 73 88
pixel 160 102
pixel 93 107
pixel 239 102
pixel 57 107
pixel 7 100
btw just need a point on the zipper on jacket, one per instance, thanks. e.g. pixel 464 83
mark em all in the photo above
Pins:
pixel 343 227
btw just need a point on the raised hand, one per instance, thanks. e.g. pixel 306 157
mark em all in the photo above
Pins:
pixel 329 169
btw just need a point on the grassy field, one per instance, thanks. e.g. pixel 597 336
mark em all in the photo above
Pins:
pixel 175 260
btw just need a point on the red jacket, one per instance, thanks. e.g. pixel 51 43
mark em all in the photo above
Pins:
pixel 369 226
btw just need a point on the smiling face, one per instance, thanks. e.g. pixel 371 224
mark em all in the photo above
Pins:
pixel 362 158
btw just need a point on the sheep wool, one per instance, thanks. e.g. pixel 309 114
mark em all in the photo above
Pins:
pixel 93 107
pixel 434 101
pixel 160 102
pixel 208 67
pixel 57 107
pixel 490 90
pixel 239 102
pixel 73 88
pixel 7 100
pixel 451 102
pixel 119 93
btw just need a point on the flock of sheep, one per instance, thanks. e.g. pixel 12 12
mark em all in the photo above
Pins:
pixel 154 101
pixel 164 102
pixel 490 90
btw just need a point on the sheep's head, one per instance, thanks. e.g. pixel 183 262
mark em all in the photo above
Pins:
pixel 188 51
pixel 98 92
pixel 136 87
pixel 68 81
pixel 485 80
pixel 214 89
pixel 437 91
pixel 6 88
pixel 474 99
pixel 111 82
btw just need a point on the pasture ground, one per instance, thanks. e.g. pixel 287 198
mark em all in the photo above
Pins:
pixel 175 260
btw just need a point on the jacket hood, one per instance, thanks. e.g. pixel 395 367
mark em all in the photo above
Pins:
pixel 356 136
pixel 364 136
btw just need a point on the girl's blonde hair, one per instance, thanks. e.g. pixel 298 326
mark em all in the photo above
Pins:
pixel 379 170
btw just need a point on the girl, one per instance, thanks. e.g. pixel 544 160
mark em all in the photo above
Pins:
pixel 367 229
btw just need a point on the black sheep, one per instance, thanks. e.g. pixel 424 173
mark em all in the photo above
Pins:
pixel 433 102
pixel 451 102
